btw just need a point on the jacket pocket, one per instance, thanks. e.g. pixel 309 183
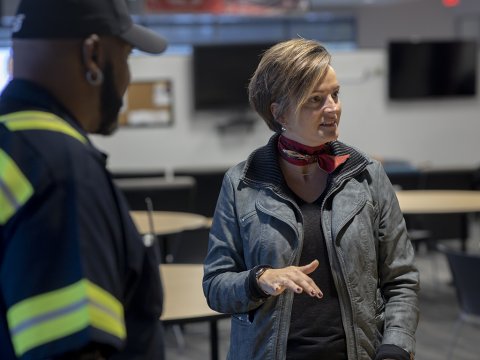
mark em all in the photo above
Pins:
pixel 241 337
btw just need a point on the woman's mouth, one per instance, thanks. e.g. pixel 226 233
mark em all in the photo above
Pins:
pixel 330 122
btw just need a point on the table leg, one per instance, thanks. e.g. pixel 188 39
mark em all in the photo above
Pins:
pixel 214 339
pixel 164 248
pixel 464 231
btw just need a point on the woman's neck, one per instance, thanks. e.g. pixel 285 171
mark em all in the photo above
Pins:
pixel 300 171
pixel 307 182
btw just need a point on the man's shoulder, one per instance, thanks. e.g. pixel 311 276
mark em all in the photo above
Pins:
pixel 49 154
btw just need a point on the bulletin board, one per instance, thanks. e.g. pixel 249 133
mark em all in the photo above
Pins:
pixel 148 104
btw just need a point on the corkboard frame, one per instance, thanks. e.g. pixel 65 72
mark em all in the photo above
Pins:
pixel 148 104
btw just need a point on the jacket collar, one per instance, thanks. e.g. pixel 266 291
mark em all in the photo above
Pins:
pixel 22 94
pixel 262 167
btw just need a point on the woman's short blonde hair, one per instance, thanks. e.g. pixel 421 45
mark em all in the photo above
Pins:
pixel 287 74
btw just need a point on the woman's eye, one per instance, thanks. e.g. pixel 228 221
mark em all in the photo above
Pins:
pixel 336 94
pixel 317 99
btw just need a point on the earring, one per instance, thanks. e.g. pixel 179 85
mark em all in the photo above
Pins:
pixel 94 78
pixel 284 128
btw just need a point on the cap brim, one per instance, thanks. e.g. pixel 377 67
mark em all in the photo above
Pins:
pixel 144 39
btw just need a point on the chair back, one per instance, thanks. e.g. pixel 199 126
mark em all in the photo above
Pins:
pixel 465 270
pixel 187 247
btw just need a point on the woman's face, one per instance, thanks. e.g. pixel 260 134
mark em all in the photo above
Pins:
pixel 317 120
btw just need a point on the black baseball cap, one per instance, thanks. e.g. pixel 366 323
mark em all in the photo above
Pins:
pixel 65 19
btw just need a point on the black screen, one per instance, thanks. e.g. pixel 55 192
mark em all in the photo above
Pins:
pixel 433 69
pixel 221 74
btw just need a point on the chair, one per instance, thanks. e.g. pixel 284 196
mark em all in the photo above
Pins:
pixel 209 183
pixel 465 269
pixel 447 226
pixel 419 236
pixel 187 247
pixel 405 176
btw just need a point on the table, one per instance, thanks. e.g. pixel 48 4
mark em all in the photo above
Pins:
pixel 169 227
pixel 184 301
pixel 167 222
pixel 426 202
pixel 168 183
pixel 439 201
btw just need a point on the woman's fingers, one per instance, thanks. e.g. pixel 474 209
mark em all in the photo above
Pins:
pixel 292 285
pixel 309 286
pixel 275 281
pixel 309 268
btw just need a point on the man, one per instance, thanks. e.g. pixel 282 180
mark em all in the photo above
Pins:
pixel 76 281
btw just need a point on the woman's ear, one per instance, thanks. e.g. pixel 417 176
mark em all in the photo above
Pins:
pixel 275 110
pixel 277 116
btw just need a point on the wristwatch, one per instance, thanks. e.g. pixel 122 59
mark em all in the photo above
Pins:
pixel 260 272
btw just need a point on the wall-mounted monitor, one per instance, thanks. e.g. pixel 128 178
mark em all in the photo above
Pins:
pixel 221 74
pixel 432 69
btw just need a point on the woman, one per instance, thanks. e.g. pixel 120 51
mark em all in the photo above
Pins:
pixel 308 248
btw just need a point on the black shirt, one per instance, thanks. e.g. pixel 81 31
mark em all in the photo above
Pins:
pixel 316 330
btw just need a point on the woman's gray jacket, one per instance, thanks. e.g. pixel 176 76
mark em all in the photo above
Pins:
pixel 257 223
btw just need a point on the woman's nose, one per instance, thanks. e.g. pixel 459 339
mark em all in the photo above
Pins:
pixel 330 103
pixel 330 108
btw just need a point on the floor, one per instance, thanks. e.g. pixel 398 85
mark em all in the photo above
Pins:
pixel 438 312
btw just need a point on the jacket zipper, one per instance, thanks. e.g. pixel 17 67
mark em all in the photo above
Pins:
pixel 280 351
pixel 344 287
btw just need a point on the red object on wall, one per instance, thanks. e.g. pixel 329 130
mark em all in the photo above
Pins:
pixel 450 3
pixel 210 6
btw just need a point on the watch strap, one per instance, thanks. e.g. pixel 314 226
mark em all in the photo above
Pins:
pixel 254 290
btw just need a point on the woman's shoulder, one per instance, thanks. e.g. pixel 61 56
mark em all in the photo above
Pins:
pixel 357 155
pixel 257 163
pixel 236 170
pixel 344 148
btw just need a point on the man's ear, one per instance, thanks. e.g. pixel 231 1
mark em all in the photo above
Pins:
pixel 92 59
pixel 91 53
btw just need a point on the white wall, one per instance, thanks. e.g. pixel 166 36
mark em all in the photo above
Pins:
pixel 440 133
pixel 192 141
pixel 405 19
pixel 435 133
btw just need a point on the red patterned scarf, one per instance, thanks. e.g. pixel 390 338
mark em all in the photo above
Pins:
pixel 299 154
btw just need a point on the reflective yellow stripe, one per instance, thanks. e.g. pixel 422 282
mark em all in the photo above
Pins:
pixel 15 189
pixel 43 318
pixel 51 331
pixel 39 120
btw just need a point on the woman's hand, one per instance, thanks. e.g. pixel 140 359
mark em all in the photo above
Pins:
pixel 295 278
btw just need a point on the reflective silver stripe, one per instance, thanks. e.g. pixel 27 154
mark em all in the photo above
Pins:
pixel 8 195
